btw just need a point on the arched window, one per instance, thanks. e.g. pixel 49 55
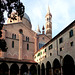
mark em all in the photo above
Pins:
pixel 71 33
pixel 20 31
pixel 13 36
pixel 27 39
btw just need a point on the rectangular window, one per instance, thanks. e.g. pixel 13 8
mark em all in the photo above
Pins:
pixel 41 53
pixel 71 33
pixel 12 44
pixel 27 46
pixel 45 50
pixel 50 54
pixel 71 43
pixel 61 49
pixel 50 47
pixel 60 40
pixel 38 54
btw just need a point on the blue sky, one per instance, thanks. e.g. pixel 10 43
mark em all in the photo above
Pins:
pixel 63 13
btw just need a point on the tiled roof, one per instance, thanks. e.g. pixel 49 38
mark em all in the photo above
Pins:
pixel 12 60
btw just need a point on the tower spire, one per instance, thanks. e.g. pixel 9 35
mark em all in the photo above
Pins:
pixel 48 23
pixel 48 11
pixel 38 29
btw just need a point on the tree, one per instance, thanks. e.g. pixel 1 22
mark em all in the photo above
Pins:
pixel 9 6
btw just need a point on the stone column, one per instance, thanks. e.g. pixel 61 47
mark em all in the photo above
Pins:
pixel 40 70
pixel 19 71
pixel 61 71
pixel 20 45
pixel 51 71
pixel 28 71
pixel 9 71
pixel 45 71
pixel 37 69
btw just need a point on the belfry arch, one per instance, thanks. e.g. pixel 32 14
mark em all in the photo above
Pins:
pixel 68 65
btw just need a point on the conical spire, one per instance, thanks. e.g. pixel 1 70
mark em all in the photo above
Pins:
pixel 38 29
pixel 48 11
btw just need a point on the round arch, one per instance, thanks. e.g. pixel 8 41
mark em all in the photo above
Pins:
pixel 68 65
pixel 4 69
pixel 42 69
pixel 14 69
pixel 24 69
pixel 33 70
pixel 48 68
pixel 56 67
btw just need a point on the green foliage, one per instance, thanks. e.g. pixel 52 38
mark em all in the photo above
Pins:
pixel 3 45
pixel 9 5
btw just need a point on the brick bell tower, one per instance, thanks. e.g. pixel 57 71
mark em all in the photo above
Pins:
pixel 48 18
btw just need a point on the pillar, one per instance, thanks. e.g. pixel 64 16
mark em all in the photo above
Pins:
pixel 51 71
pixel 9 71
pixel 19 71
pixel 37 69
pixel 28 71
pixel 45 71
pixel 20 45
pixel 61 71
pixel 3 37
pixel 36 43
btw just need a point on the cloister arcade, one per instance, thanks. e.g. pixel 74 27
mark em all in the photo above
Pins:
pixel 67 67
pixel 17 69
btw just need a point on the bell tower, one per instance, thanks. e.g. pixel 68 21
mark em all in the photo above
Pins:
pixel 48 18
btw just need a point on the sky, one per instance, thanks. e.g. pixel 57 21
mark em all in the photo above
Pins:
pixel 63 13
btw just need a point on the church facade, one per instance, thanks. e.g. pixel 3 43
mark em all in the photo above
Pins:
pixel 22 43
